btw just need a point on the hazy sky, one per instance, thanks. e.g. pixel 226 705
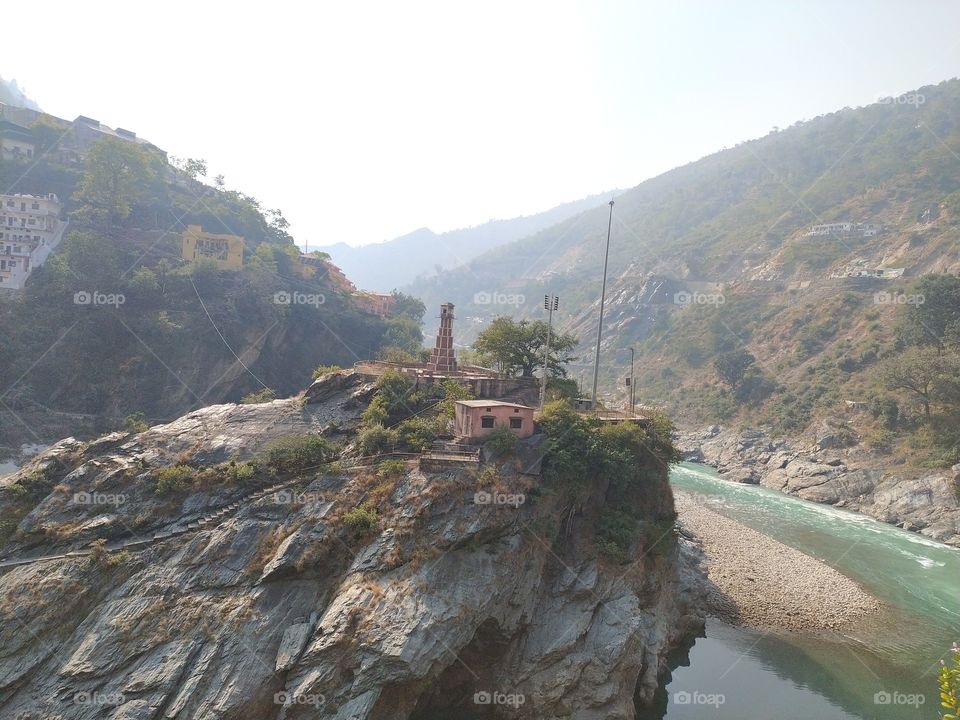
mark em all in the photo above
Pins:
pixel 366 120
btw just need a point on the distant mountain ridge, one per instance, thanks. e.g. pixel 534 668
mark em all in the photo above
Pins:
pixel 398 262
pixel 741 223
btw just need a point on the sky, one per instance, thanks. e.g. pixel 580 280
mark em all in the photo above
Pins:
pixel 365 121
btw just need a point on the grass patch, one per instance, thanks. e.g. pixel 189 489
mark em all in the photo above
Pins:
pixel 362 521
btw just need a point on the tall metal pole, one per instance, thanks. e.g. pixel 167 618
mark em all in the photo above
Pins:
pixel 603 295
pixel 550 302
pixel 632 386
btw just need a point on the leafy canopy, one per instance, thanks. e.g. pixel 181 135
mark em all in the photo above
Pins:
pixel 517 347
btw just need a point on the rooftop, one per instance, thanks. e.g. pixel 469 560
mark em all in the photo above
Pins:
pixel 491 403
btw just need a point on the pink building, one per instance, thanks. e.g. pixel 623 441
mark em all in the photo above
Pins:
pixel 478 418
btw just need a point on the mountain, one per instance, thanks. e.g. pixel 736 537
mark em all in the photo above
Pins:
pixel 170 335
pixel 11 94
pixel 721 256
pixel 394 263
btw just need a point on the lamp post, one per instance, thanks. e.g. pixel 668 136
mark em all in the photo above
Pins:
pixel 603 294
pixel 550 303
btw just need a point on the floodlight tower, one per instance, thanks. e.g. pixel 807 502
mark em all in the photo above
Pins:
pixel 603 295
pixel 550 303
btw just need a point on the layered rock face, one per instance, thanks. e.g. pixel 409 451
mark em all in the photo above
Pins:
pixel 345 594
pixel 824 471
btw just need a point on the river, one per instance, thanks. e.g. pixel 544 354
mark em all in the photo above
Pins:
pixel 885 669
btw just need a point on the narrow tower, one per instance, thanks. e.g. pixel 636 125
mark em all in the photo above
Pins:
pixel 443 359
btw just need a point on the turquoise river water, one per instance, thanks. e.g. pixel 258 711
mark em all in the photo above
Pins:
pixel 885 668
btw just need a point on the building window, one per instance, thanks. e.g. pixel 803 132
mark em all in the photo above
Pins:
pixel 516 410
pixel 486 421
pixel 516 423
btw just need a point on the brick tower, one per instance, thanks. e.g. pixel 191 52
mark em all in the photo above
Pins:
pixel 443 359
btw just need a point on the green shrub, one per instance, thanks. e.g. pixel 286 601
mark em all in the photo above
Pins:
pixel 264 396
pixel 881 440
pixel 390 469
pixel 322 370
pixel 362 521
pixel 501 441
pixel 298 452
pixel 391 402
pixel 949 683
pixel 238 472
pixel 453 391
pixel 616 532
pixel 417 434
pixel 375 439
pixel 173 479
pixel 135 423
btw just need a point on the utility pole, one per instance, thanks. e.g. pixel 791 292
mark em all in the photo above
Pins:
pixel 550 303
pixel 632 386
pixel 603 294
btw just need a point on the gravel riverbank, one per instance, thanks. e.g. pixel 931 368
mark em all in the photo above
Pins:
pixel 760 582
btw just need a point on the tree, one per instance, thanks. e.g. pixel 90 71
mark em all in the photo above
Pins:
pixel 923 371
pixel 46 133
pixel 191 167
pixel 935 319
pixel 117 176
pixel 732 366
pixel 403 333
pixel 407 306
pixel 518 346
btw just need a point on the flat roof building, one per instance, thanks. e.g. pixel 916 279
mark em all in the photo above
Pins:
pixel 475 419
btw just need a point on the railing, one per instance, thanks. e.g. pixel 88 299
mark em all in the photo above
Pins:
pixel 455 455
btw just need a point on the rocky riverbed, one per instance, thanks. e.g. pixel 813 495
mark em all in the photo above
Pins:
pixel 757 581
pixel 823 470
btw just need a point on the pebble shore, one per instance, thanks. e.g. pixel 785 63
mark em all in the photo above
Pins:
pixel 759 582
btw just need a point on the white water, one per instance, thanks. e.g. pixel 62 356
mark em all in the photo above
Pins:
pixel 765 676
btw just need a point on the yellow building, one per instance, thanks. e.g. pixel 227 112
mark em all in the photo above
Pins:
pixel 226 250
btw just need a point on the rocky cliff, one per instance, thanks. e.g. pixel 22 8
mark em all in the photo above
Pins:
pixel 823 470
pixel 331 591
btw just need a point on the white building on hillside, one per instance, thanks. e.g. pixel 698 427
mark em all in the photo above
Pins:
pixel 30 229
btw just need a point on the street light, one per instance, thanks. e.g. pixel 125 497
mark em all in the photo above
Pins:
pixel 603 294
pixel 550 303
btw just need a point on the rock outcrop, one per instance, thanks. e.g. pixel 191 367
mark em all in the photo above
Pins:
pixel 350 596
pixel 828 471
